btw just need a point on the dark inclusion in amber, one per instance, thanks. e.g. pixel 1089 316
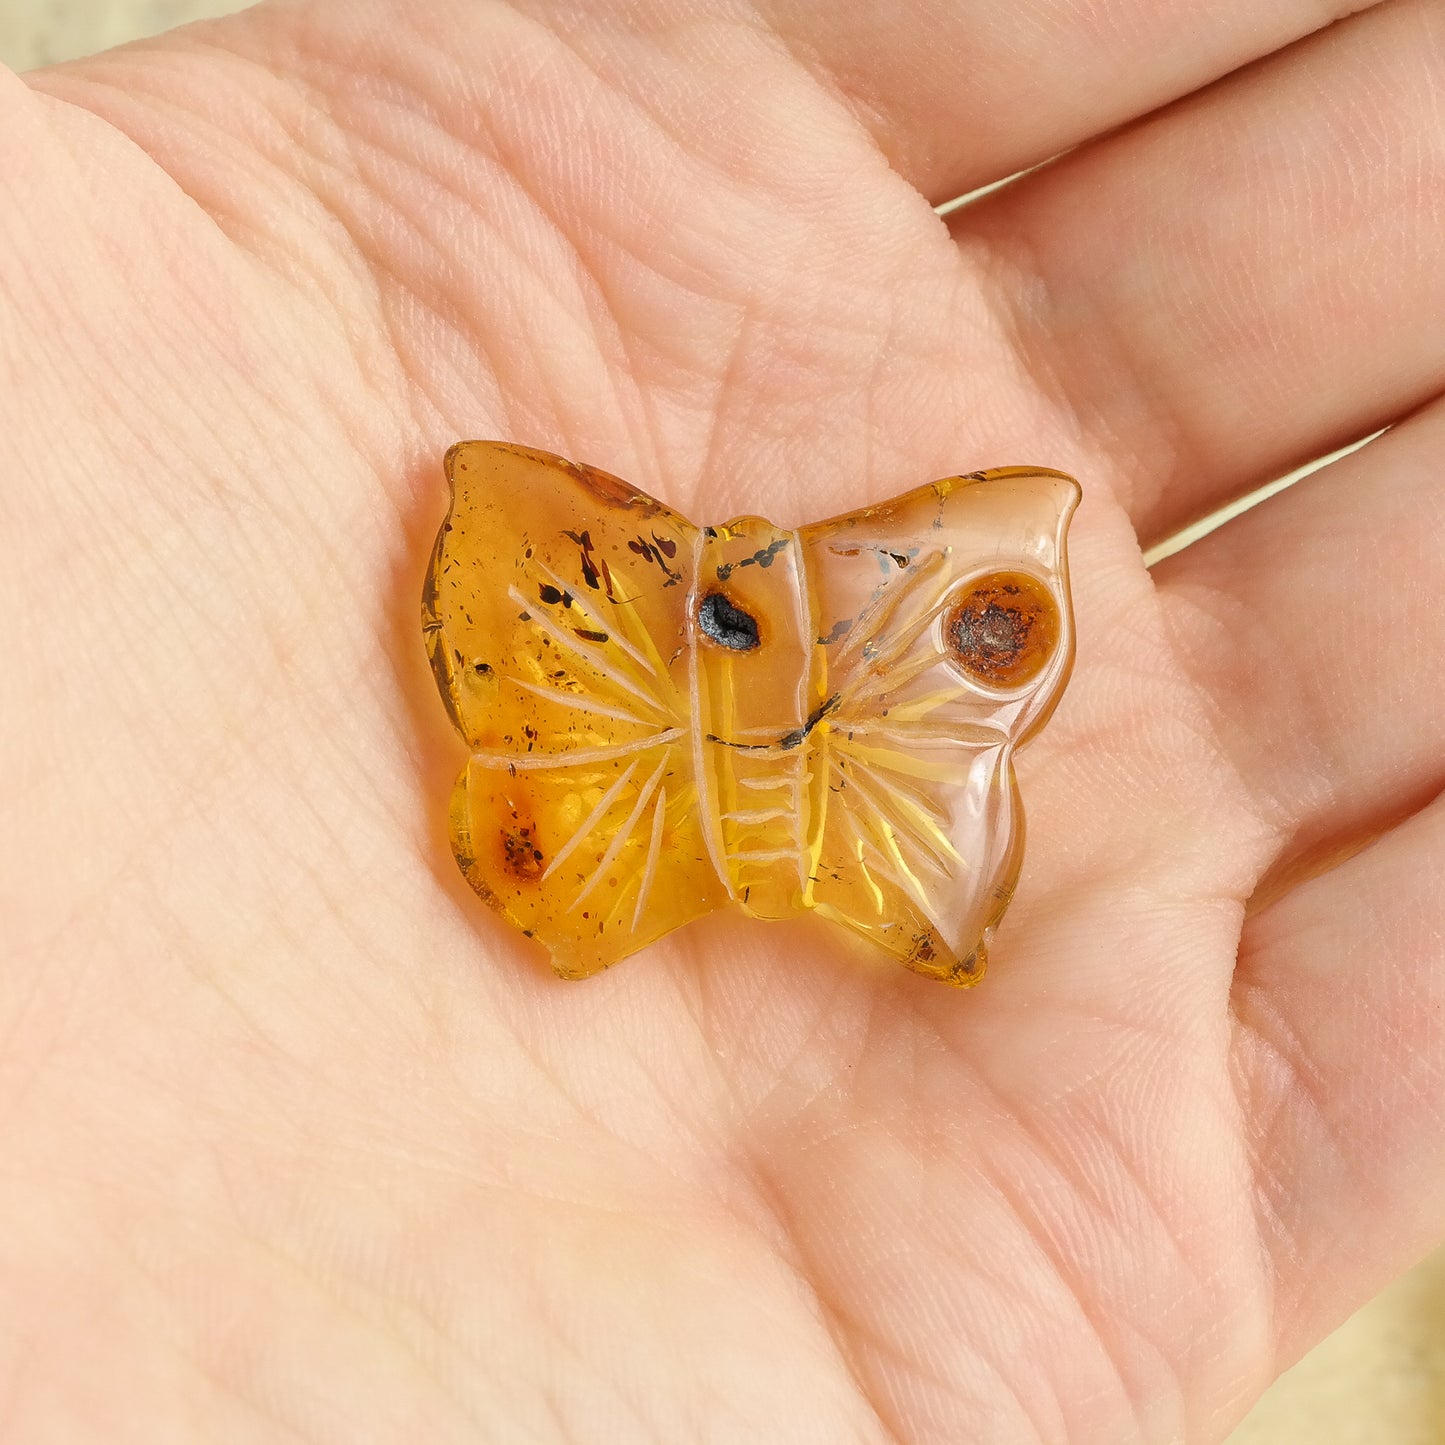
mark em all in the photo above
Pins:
pixel 1004 629
pixel 722 622
pixel 664 719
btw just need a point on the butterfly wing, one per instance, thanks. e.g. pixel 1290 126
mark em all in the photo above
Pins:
pixel 555 614
pixel 947 638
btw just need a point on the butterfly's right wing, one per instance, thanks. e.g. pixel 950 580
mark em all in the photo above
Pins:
pixel 946 637
pixel 555 613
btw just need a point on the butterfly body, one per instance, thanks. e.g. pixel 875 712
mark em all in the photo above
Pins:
pixel 665 719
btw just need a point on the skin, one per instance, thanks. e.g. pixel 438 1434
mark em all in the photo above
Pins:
pixel 297 1141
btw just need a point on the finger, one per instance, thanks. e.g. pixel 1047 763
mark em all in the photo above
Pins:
pixel 953 94
pixel 1242 283
pixel 1313 623
pixel 1339 1001
pixel 960 94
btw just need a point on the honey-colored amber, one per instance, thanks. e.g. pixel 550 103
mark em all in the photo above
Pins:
pixel 663 719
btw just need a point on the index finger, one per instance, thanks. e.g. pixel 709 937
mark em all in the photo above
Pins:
pixel 956 95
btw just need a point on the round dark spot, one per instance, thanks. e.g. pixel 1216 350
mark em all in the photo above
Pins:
pixel 1003 629
pixel 725 623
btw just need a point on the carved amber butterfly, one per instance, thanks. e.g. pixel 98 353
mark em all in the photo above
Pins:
pixel 665 718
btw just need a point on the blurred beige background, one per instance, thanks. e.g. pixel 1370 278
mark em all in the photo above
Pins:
pixel 42 32
pixel 1380 1379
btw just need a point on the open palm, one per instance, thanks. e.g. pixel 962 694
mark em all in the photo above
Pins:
pixel 298 1141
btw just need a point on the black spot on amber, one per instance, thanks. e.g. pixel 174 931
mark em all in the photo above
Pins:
pixel 523 857
pixel 727 624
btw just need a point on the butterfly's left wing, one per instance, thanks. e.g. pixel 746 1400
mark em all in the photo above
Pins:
pixel 556 617
pixel 944 624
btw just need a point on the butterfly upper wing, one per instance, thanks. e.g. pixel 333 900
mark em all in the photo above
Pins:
pixel 555 613
pixel 916 826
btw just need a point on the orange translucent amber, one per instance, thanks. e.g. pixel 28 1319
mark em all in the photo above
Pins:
pixel 663 719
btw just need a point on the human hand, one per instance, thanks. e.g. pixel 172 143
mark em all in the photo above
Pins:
pixel 297 1139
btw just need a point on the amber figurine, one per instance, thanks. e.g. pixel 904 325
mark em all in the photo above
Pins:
pixel 663 718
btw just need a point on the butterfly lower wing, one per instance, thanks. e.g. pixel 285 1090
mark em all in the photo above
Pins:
pixel 595 859
pixel 918 848
pixel 555 612
pixel 918 835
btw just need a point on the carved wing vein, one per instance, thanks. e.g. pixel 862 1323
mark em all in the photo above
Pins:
pixel 594 659
pixel 528 762
pixel 886 827
pixel 594 617
pixel 918 821
pixel 580 702
pixel 863 691
pixel 863 845
pixel 654 853
pixel 591 821
pixel 877 615
pixel 906 735
pixel 624 833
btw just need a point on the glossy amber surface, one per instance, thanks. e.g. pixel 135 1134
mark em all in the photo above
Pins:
pixel 663 719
